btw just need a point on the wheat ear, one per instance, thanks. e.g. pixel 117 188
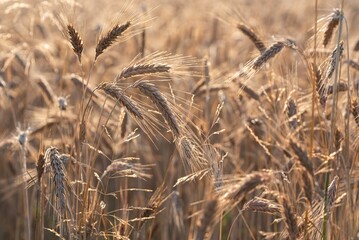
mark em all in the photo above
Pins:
pixel 319 86
pixel 252 36
pixel 290 218
pixel 161 103
pixel 291 108
pixel 143 69
pixel 53 156
pixel 268 54
pixel 302 156
pixel 332 24
pixel 332 190
pixel 40 166
pixel 76 41
pixel 117 93
pixel 262 205
pixel 333 60
pixel 110 38
pixel 248 184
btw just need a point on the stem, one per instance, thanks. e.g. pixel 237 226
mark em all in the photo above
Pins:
pixel 313 78
pixel 313 103
pixel 26 198
pixel 207 99
pixel 346 150
pixel 332 120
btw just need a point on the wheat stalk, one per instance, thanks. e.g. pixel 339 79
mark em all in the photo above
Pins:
pixel 124 121
pixel 23 140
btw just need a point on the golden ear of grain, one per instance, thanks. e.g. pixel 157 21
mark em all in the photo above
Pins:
pixel 319 86
pixel 53 157
pixel 252 36
pixel 187 148
pixel 303 157
pixel 333 60
pixel 123 168
pixel 308 186
pixel 290 218
pixel 332 24
pixel 191 153
pixel 268 54
pixel 143 69
pixel 117 93
pixel 161 103
pixel 158 197
pixel 82 132
pixel 215 161
pixel 342 87
pixel 76 41
pixel 40 166
pixel 332 190
pixel 339 137
pixel 291 108
pixel 262 205
pixel 248 184
pixel 110 38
